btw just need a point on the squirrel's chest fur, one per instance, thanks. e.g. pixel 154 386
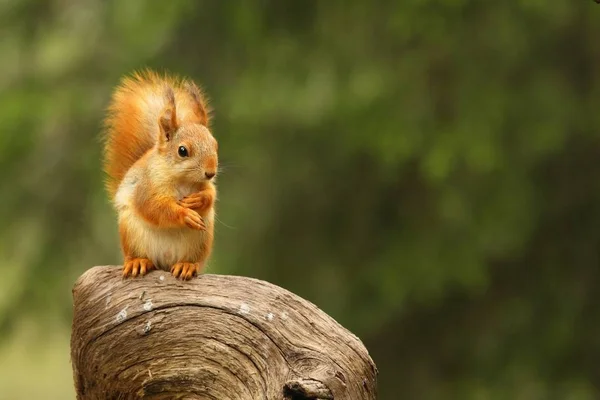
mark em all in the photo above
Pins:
pixel 163 246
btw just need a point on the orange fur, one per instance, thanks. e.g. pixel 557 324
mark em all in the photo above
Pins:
pixel 200 202
pixel 131 111
pixel 164 198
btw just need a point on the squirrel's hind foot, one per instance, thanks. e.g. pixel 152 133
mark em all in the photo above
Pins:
pixel 185 271
pixel 137 266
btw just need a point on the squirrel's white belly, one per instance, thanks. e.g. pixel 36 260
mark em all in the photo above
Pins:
pixel 164 247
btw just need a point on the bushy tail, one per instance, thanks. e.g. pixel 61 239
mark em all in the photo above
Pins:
pixel 131 124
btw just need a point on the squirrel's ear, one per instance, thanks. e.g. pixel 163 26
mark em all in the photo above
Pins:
pixel 168 120
pixel 200 104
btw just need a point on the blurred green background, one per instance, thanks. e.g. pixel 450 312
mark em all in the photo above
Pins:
pixel 427 172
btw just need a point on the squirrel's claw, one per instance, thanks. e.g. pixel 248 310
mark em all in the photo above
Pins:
pixel 135 266
pixel 176 269
pixel 194 221
pixel 185 271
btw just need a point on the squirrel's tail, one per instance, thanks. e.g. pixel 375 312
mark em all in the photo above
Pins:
pixel 131 126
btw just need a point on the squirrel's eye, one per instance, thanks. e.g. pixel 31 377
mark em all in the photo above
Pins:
pixel 182 151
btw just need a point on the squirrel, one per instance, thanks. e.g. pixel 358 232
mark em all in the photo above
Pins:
pixel 161 162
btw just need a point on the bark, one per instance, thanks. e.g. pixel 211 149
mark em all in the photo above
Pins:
pixel 214 337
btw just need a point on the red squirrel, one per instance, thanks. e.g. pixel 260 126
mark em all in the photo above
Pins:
pixel 161 163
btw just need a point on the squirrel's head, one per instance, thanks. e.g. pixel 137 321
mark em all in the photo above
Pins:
pixel 190 149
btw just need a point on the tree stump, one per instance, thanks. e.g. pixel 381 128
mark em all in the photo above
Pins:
pixel 214 337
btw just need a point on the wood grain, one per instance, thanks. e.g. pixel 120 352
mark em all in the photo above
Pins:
pixel 215 337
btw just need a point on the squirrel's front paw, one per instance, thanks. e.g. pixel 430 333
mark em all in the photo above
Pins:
pixel 135 266
pixel 193 220
pixel 185 271
pixel 196 201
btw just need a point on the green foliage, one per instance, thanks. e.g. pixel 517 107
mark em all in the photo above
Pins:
pixel 427 172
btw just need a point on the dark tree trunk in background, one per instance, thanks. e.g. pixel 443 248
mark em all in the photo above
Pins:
pixel 215 337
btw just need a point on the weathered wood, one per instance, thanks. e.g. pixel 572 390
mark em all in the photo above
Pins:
pixel 215 337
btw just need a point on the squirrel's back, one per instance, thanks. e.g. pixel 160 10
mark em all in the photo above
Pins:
pixel 132 122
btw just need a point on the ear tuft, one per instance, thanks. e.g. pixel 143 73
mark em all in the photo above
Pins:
pixel 200 103
pixel 168 119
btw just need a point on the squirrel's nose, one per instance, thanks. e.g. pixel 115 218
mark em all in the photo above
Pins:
pixel 209 175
